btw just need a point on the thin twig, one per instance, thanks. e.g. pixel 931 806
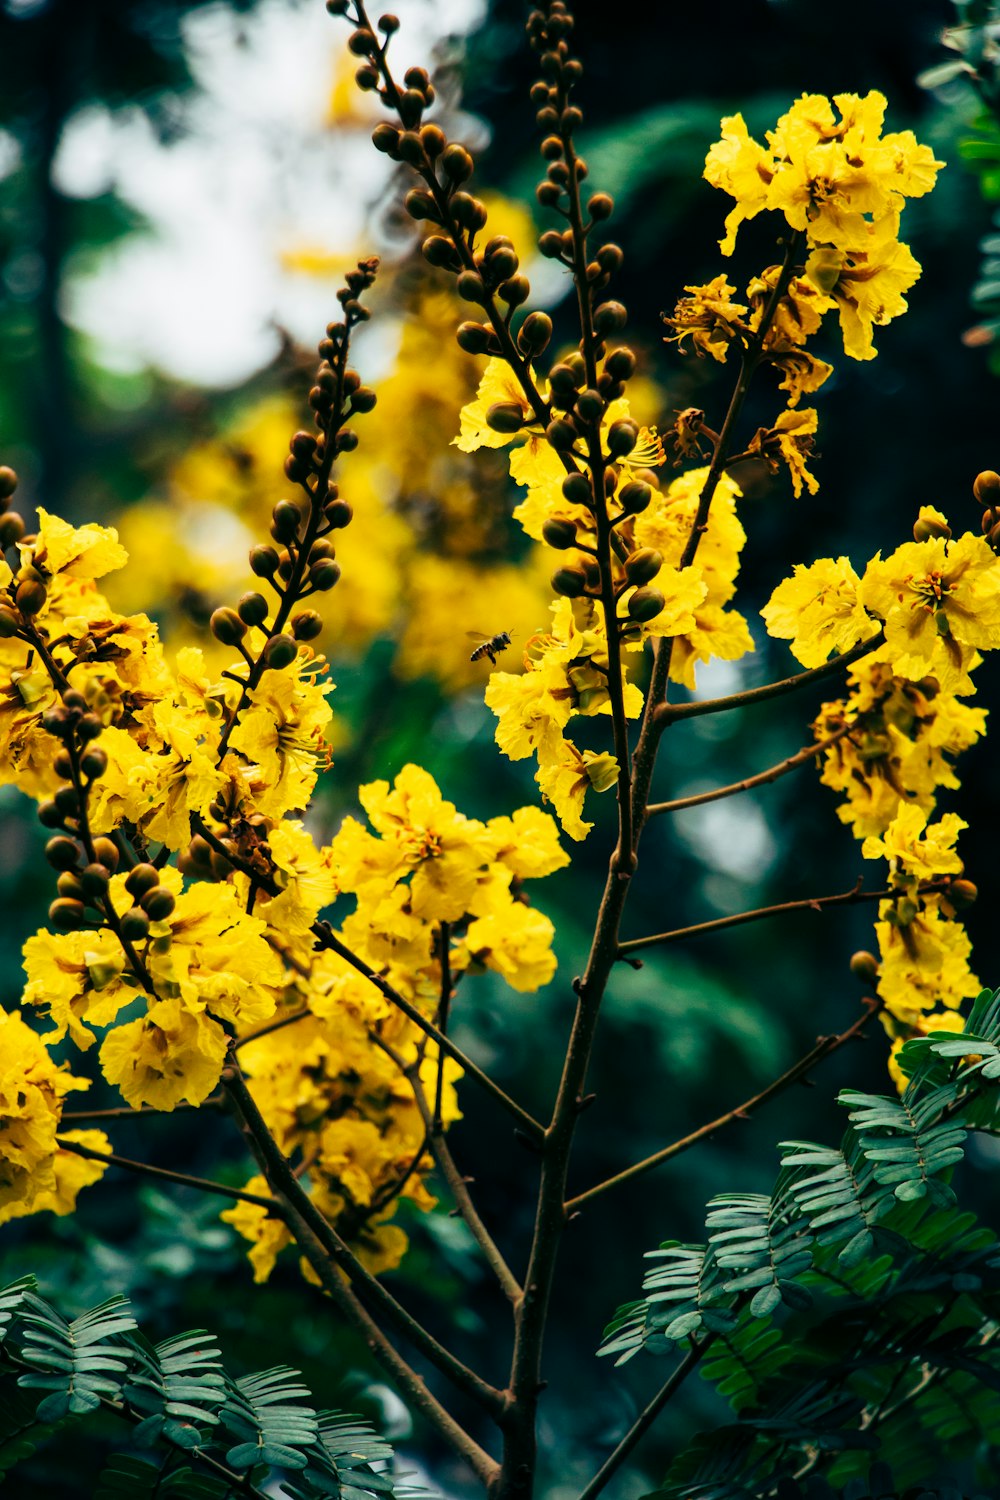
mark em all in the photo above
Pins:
pixel 126 1112
pixel 811 903
pixel 800 758
pixel 825 1046
pixel 164 1174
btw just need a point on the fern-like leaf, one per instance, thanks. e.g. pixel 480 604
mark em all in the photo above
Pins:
pixel 262 1412
pixel 77 1361
pixel 179 1386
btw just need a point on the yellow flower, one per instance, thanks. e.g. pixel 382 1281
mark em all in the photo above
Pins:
pixel 818 610
pixel 940 601
pixel 914 850
pixel 709 317
pixel 791 437
pixel 78 979
pixel 169 1055
pixel 282 734
pixel 31 1091
pixel 71 1174
pixel 565 776
pixel 742 168
pixel 532 710
pixel 516 943
pixel 925 962
pixel 304 876
pixel 76 552
pixel 867 282
pixel 267 1233
pixel 499 384
pixel 528 843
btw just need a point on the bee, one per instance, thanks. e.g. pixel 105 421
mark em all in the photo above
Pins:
pixel 489 645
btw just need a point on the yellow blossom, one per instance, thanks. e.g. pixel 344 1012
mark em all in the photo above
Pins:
pixel 528 843
pixel 31 1091
pixel 168 1055
pixel 915 850
pixel 791 437
pixel 498 384
pixel 79 980
pixel 77 552
pixel 267 1233
pixel 925 962
pixel 818 611
pixel 709 317
pixel 516 943
pixel 742 168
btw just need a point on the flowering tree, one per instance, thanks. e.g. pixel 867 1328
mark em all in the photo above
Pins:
pixel 224 960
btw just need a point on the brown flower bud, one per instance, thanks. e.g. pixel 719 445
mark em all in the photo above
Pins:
pixel 439 252
pixel 577 488
pixel 610 317
pixel 63 765
pixel 646 604
pixel 62 853
pixel 12 529
pixel 601 206
pixel 106 851
pixel 591 405
pixel 94 878
pixel 94 763
pixel 158 904
pixel 30 597
pixel 419 204
pixel 323 575
pixel 986 487
pixel 135 925
pixel 642 566
pixel 505 416
pixel 550 244
pixel 281 650
pixel 339 513
pixel 561 434
pixel 285 521
pixel 9 623
pixel 307 625
pixel 473 338
pixel 634 496
pixel 470 288
pixel 432 138
pixel 67 799
pixel 8 481
pixel 68 884
pixel 925 528
pixel 516 291
pixel 620 363
pixel 559 534
pixel 571 582
pixel 534 334
pixel 140 879
pixel 253 609
pixel 49 815
pixel 457 163
pixel 226 626
pixel 385 138
pixel 263 561
pixel 622 437
pixel 67 915
pixel 864 966
pixel 962 893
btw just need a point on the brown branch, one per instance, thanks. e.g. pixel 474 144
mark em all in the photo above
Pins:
pixel 762 778
pixel 812 903
pixel 143 1169
pixel 336 1256
pixel 669 713
pixel 825 1046
pixel 126 1112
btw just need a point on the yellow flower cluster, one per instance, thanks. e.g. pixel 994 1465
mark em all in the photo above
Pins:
pixel 891 741
pixel 829 170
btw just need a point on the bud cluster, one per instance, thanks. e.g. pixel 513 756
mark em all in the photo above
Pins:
pixel 303 561
pixel 26 593
pixel 986 488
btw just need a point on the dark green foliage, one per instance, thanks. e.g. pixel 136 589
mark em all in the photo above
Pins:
pixel 888 1296
pixel 212 1435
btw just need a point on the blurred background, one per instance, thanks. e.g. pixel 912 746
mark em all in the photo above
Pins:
pixel 182 186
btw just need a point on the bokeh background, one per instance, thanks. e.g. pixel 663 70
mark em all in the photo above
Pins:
pixel 182 186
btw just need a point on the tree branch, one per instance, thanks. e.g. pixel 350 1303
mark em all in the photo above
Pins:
pixel 164 1174
pixel 762 778
pixel 825 1046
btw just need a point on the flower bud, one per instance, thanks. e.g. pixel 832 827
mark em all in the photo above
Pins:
pixel 590 405
pixel 9 623
pixel 473 338
pixel 469 212
pixel 864 966
pixel 67 799
pixel 419 204
pixel 8 481
pixel 30 597
pixel 576 487
pixel 646 604
pixel 470 288
pixel 140 879
pixel 281 650
pixel 158 903
pixel 49 815
pixel 634 496
pixel 559 534
pixel 62 853
pixel 643 565
pixel 570 582
pixel 324 574
pixel 63 765
pixel 432 137
pixel 550 244
pixel 307 625
pixel 505 416
pixel 67 915
pixel 439 252
pixel 962 893
pixel 601 206
pixel 68 884
pixel 986 487
pixel 610 317
pixel 620 364
pixel 339 513
pixel 516 291
pixel 135 925
pixel 263 561
pixel 925 528
pixel 253 609
pixel 227 626
pixel 285 521
pixel 106 851
pixel 535 333
pixel 94 878
pixel 12 529
pixel 385 138
pixel 561 434
pixel 622 437
pixel 94 763
pixel 457 163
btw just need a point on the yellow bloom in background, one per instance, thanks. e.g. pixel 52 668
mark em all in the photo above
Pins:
pixel 818 611
pixel 76 551
pixel 916 851
pixel 267 1233
pixel 166 1057
pixel 71 1174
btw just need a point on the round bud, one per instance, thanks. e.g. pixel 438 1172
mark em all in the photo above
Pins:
pixel 281 650
pixel 609 318
pixel 135 925
pixel 364 400
pixel 473 338
pixel 962 893
pixel 622 437
pixel 63 765
pixel 94 879
pixel 8 482
pixel 634 496
pixel 323 575
pixel 285 521
pixel 140 879
pixel 339 513
pixel 68 884
pixel 158 904
pixel 94 763
pixel 457 163
pixel 561 434
pixel 535 332
pixel 49 815
pixel 439 252
pixel 227 626
pixel 559 534
pixel 601 206
pixel 12 529
pixel 30 597
pixel 646 604
pixel 516 291
pixel 502 263
pixel 67 799
pixel 569 581
pixel 306 625
pixel 62 853
pixel 470 287
pixel 925 529
pixel 577 489
pixel 106 851
pixel 385 138
pixel 432 137
pixel 89 727
pixel 253 609
pixel 986 487
pixel 505 416
pixel 419 204
pixel 642 566
pixel 550 244
pixel 590 405
pixel 9 623
pixel 67 915
pixel 864 966
pixel 620 363
pixel 362 42
pixel 468 211
pixel 263 561
pixel 610 258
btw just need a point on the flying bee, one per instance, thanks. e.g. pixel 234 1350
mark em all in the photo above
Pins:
pixel 489 645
